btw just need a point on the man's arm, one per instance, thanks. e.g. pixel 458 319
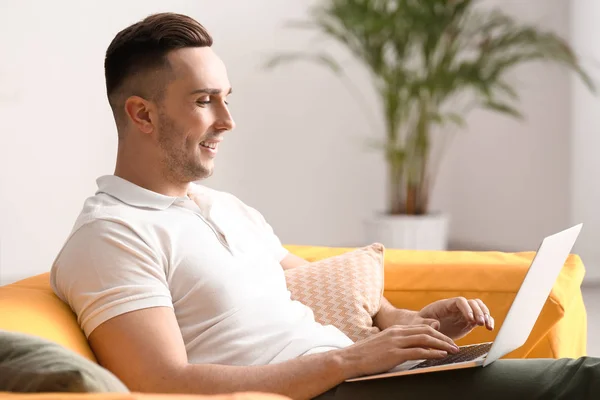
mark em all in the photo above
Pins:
pixel 144 348
pixel 388 316
pixel 292 261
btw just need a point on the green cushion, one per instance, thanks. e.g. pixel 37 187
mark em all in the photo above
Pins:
pixel 32 364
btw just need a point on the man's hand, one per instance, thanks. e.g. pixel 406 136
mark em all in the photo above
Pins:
pixel 391 347
pixel 389 316
pixel 458 316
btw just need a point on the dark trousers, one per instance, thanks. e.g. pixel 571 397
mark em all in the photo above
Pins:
pixel 504 379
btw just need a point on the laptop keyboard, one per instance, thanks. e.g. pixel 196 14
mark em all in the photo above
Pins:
pixel 466 353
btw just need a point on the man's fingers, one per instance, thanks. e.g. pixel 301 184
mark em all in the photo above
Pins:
pixel 489 321
pixel 421 354
pixel 425 330
pixel 426 341
pixel 465 309
pixel 428 330
pixel 434 323
pixel 478 312
pixel 440 336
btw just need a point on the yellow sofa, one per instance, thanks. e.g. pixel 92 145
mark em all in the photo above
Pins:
pixel 412 280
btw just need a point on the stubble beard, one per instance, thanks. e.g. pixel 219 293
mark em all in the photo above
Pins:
pixel 176 162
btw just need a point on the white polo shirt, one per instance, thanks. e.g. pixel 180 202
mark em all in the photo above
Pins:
pixel 217 265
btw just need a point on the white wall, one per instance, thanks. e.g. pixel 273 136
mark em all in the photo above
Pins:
pixel 506 182
pixel 297 154
pixel 586 136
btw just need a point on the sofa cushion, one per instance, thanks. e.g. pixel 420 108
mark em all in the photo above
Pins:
pixel 30 306
pixel 344 291
pixel 32 364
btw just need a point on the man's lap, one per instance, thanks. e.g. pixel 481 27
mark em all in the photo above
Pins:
pixel 519 379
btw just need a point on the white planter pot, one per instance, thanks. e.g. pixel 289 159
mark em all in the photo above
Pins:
pixel 415 232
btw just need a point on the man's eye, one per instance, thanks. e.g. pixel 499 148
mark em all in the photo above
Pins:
pixel 207 101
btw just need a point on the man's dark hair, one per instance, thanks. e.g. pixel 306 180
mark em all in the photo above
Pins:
pixel 141 49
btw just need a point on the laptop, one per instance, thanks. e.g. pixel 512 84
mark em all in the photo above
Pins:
pixel 522 315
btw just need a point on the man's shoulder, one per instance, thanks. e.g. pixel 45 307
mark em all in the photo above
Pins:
pixel 104 218
pixel 105 228
pixel 104 209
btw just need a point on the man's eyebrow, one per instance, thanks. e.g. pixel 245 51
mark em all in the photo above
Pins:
pixel 210 91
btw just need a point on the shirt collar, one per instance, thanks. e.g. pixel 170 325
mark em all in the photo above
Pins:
pixel 132 194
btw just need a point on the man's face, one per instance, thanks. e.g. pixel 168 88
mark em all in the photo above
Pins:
pixel 193 114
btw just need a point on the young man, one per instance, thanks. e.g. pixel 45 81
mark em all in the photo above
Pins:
pixel 180 288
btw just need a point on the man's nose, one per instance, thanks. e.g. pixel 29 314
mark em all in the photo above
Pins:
pixel 225 121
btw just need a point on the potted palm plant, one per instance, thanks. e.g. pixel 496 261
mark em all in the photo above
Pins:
pixel 431 63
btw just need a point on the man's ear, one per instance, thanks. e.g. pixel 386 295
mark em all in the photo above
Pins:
pixel 140 112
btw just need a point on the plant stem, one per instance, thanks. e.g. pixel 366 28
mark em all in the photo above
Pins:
pixel 395 188
pixel 411 198
pixel 416 163
pixel 422 187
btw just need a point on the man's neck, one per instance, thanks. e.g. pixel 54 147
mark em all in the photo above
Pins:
pixel 148 176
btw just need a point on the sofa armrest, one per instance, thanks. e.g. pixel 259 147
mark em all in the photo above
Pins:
pixel 414 279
